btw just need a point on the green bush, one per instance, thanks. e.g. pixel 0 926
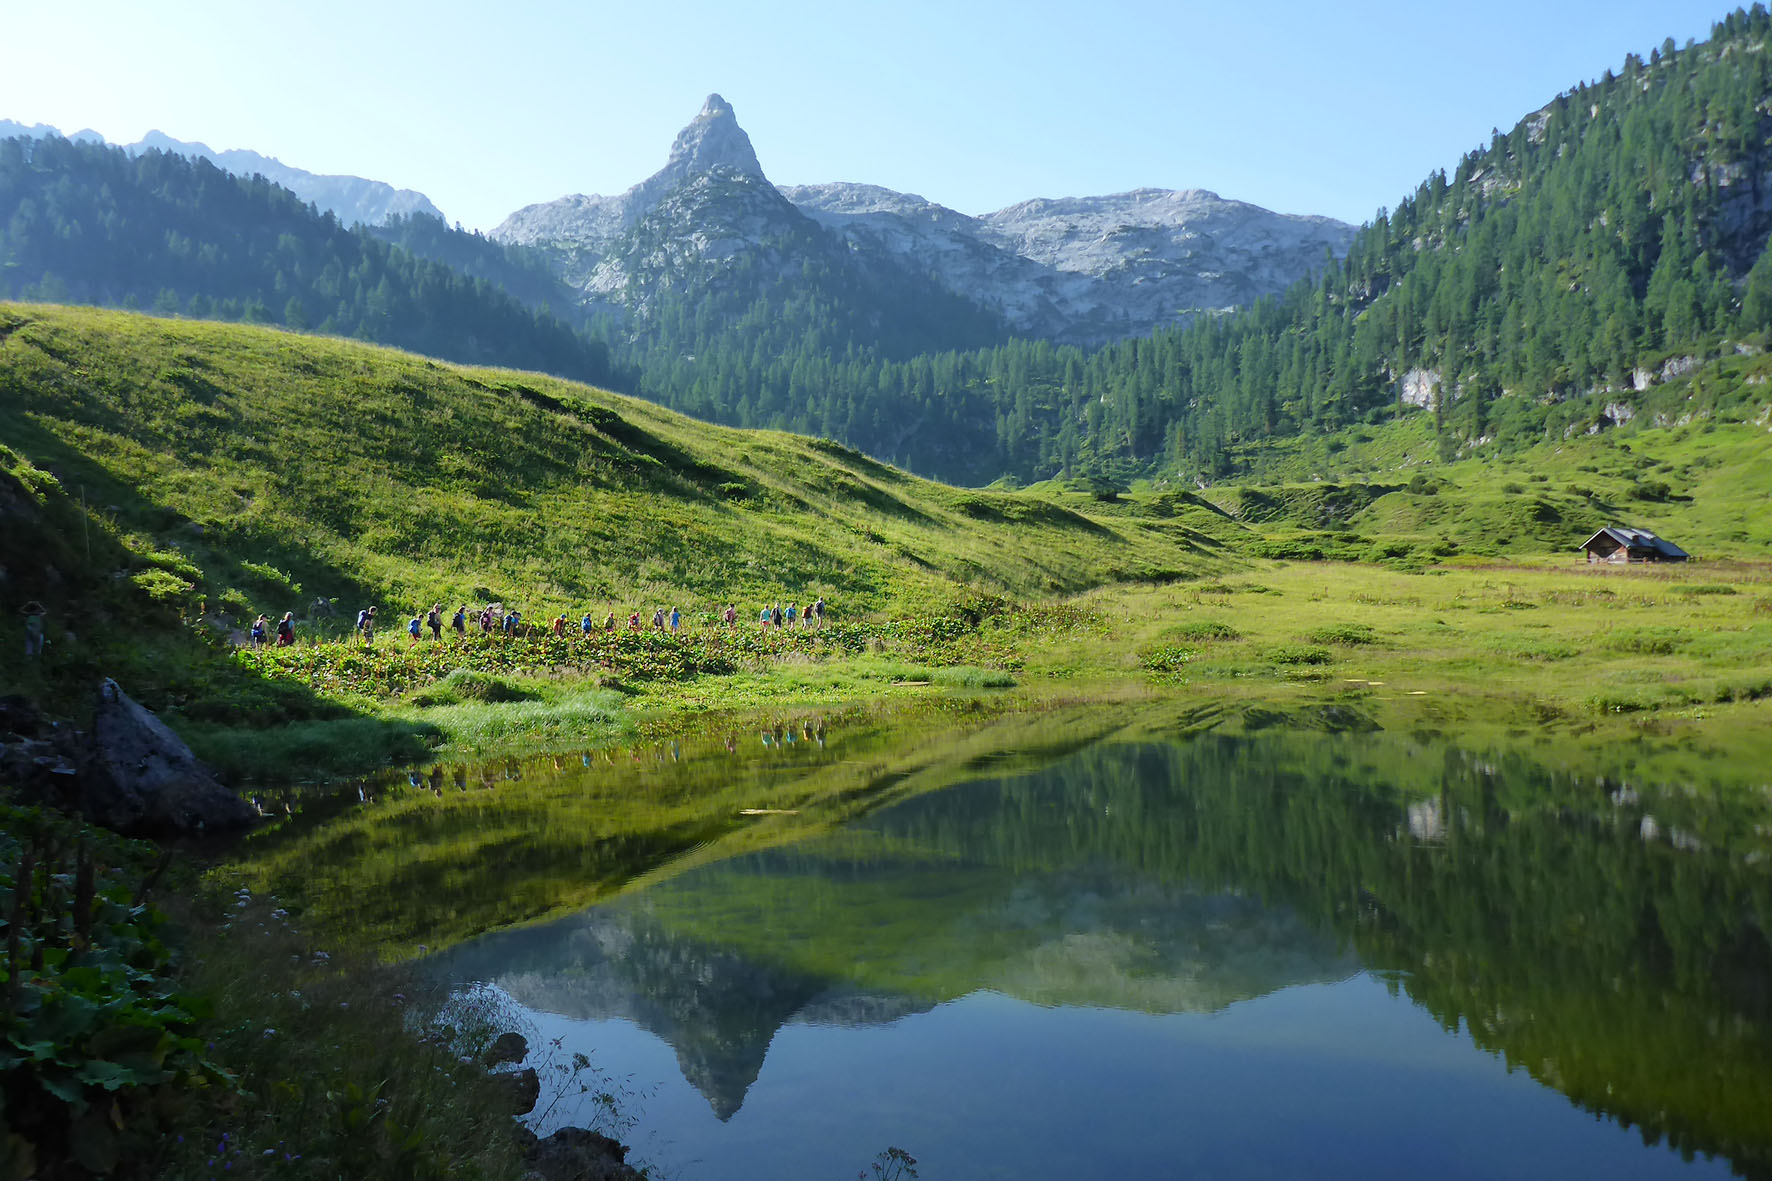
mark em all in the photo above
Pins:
pixel 1203 630
pixel 1344 633
pixel 1651 641
pixel 1165 662
pixel 466 684
pixel 1299 654
pixel 966 677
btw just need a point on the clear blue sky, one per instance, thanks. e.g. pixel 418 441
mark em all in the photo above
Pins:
pixel 1334 108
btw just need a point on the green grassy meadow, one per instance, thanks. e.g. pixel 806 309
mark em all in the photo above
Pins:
pixel 171 479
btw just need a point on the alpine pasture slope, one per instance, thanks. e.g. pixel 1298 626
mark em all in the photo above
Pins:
pixel 265 469
pixel 172 479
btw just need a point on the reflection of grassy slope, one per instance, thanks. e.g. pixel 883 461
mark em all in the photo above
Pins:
pixel 886 916
pixel 1626 971
pixel 417 868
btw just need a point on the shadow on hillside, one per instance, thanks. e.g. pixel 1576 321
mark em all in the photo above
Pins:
pixel 132 618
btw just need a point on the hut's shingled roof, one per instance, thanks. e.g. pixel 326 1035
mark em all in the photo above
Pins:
pixel 1638 539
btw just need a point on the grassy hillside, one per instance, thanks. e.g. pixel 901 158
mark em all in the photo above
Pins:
pixel 225 470
pixel 1692 461
pixel 164 481
pixel 272 462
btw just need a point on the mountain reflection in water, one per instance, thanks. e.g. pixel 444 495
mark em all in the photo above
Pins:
pixel 1067 940
pixel 1616 953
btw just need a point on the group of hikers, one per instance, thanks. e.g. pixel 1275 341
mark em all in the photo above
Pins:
pixel 494 618
pixel 285 630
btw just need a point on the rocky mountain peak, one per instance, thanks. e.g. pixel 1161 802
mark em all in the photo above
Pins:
pixel 713 139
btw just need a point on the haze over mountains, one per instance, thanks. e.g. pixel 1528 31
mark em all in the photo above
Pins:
pixel 351 199
pixel 1079 270
pixel 1610 241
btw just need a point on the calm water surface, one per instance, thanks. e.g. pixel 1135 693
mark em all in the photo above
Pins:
pixel 1285 955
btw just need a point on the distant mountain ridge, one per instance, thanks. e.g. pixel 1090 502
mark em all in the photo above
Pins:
pixel 352 199
pixel 1089 269
pixel 1077 270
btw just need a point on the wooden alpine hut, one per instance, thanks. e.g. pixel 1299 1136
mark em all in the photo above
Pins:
pixel 1616 544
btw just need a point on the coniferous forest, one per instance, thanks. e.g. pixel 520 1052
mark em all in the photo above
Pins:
pixel 86 223
pixel 1623 224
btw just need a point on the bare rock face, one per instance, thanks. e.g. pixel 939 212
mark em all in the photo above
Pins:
pixel 141 777
pixel 713 144
pixel 1086 270
pixel 1082 270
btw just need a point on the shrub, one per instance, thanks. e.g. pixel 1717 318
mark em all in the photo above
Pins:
pixel 1651 641
pixel 1344 633
pixel 467 684
pixel 1165 661
pixel 966 677
pixel 1202 630
pixel 1299 654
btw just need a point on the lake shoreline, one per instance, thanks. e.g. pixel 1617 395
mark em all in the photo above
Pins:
pixel 1607 668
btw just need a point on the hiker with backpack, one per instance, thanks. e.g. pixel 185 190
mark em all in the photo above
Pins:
pixel 286 630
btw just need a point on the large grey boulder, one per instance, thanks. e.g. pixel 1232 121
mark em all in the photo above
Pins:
pixel 141 777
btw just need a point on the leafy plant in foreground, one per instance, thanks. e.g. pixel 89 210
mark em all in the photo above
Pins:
pixel 92 1019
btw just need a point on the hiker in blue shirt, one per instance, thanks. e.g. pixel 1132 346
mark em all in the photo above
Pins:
pixel 675 620
pixel 586 624
pixel 412 628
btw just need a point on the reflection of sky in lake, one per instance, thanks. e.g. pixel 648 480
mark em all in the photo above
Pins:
pixel 1314 1081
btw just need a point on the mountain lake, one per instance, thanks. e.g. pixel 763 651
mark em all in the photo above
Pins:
pixel 1040 951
